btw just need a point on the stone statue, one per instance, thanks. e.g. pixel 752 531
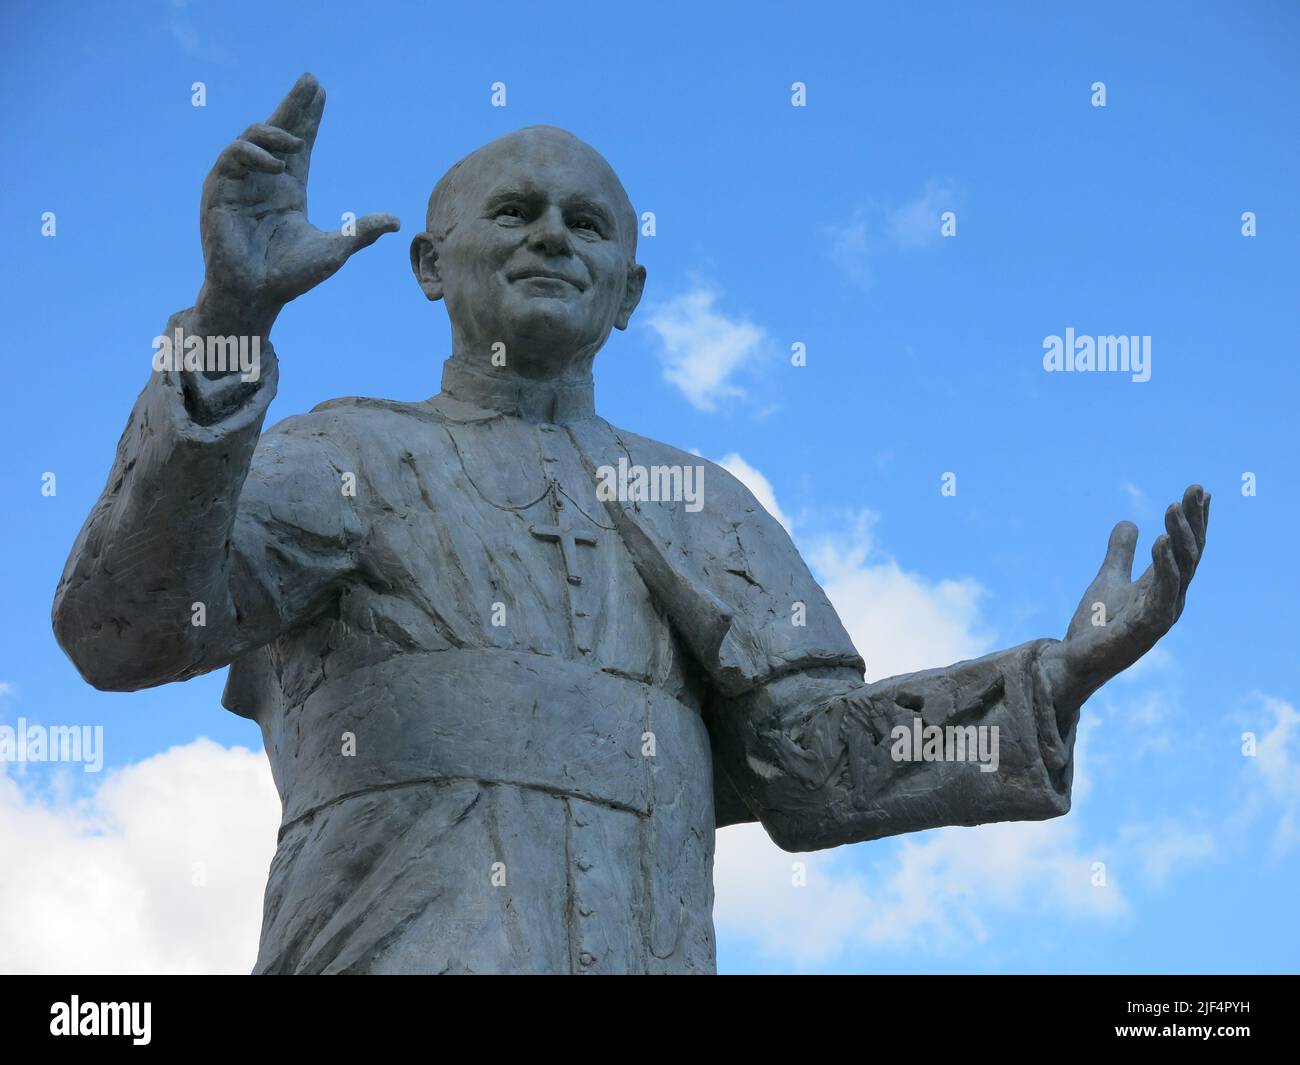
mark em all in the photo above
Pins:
pixel 505 706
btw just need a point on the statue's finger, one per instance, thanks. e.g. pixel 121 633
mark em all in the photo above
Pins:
pixel 1183 540
pixel 240 157
pixel 1160 603
pixel 1194 510
pixel 311 116
pixel 306 129
pixel 289 114
pixel 272 138
pixel 1186 553
pixel 1118 563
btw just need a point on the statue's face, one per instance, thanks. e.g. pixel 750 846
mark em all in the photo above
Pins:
pixel 539 256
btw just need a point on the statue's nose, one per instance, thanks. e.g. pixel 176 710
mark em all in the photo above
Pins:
pixel 548 233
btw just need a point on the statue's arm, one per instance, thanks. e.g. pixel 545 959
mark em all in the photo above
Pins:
pixel 209 539
pixel 822 759
pixel 819 757
pixel 206 542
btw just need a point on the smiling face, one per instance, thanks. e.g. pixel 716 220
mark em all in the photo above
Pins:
pixel 531 241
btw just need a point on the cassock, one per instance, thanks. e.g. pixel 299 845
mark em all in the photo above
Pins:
pixel 505 714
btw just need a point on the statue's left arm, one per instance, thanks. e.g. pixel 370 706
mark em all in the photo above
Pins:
pixel 822 759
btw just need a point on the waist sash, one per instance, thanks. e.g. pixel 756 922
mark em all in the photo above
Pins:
pixel 495 716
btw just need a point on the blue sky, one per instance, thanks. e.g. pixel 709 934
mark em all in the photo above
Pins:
pixel 775 225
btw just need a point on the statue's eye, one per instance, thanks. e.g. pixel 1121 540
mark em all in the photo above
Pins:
pixel 587 224
pixel 512 212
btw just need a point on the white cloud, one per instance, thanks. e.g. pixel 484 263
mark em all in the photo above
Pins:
pixel 755 898
pixel 7 689
pixel 1144 717
pixel 183 30
pixel 916 224
pixel 851 248
pixel 855 244
pixel 1141 503
pixel 701 349
pixel 1159 848
pixel 1277 767
pixel 899 621
pixel 946 883
pixel 106 884
pixel 937 892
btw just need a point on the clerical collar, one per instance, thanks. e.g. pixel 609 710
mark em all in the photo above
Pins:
pixel 533 400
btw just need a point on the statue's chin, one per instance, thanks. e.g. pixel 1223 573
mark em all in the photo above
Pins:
pixel 548 337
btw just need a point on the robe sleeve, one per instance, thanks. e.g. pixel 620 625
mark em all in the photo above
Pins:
pixel 822 759
pixel 201 509
pixel 800 742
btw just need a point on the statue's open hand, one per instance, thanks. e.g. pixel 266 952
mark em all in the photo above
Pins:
pixel 259 249
pixel 1119 619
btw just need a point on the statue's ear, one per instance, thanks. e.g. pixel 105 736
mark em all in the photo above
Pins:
pixel 632 296
pixel 424 264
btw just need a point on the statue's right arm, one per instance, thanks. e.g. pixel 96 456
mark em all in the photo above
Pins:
pixel 207 541
pixel 209 538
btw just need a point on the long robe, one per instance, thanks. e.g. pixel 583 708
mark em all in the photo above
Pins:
pixel 505 714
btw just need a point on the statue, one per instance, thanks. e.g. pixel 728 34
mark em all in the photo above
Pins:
pixel 507 701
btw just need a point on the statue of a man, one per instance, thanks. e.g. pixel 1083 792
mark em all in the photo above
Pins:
pixel 505 709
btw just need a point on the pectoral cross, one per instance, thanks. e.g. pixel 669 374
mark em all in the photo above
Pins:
pixel 568 538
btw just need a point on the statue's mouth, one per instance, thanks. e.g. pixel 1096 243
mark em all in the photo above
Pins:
pixel 538 274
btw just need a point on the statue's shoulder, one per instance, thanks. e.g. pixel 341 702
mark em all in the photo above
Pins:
pixel 441 409
pixel 645 451
pixel 356 423
pixel 366 406
pixel 355 413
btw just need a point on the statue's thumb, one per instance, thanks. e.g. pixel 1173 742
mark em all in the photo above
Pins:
pixel 371 227
pixel 1118 564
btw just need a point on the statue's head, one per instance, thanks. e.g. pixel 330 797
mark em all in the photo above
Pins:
pixel 531 240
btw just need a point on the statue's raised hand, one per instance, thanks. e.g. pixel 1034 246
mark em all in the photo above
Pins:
pixel 1119 619
pixel 259 249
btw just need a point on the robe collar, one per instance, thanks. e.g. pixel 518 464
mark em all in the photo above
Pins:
pixel 533 400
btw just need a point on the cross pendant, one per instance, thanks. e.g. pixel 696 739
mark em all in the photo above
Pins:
pixel 562 533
